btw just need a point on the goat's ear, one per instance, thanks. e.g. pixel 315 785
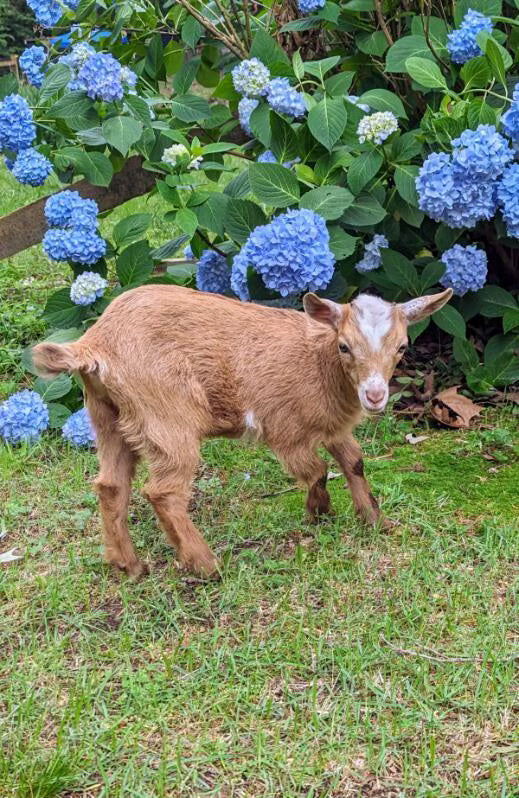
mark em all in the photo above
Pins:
pixel 323 310
pixel 423 306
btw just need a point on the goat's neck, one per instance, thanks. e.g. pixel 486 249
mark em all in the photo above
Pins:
pixel 338 391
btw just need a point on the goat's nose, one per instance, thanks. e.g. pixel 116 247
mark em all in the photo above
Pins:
pixel 375 395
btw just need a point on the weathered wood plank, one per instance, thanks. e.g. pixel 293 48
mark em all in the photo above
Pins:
pixel 26 226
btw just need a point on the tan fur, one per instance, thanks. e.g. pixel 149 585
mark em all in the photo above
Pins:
pixel 165 367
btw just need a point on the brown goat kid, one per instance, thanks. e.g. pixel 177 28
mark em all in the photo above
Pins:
pixel 165 367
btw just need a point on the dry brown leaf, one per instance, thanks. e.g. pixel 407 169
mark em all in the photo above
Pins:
pixel 10 556
pixel 413 440
pixel 452 409
pixel 501 397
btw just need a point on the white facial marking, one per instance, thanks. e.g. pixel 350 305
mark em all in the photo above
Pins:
pixel 374 318
pixel 376 384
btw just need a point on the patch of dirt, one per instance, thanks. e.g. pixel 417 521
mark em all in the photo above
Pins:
pixel 113 610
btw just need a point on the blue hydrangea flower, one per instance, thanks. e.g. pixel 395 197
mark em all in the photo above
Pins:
pixel 78 429
pixel 372 256
pixel 69 209
pixel 245 108
pixel 508 197
pixel 291 254
pixel 284 99
pixel 55 244
pixel 251 78
pixel 128 77
pixel 31 61
pixel 450 194
pixel 23 417
pixel 377 127
pixel 88 287
pixel 461 43
pixel 78 56
pixel 482 152
pixel 17 131
pixel 47 12
pixel 465 269
pixel 306 6
pixel 85 246
pixel 85 216
pixel 267 157
pixel 510 119
pixel 79 246
pixel 100 78
pixel 352 98
pixel 31 167
pixel 188 252
pixel 213 273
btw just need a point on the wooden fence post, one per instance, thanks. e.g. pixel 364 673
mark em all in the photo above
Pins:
pixel 26 226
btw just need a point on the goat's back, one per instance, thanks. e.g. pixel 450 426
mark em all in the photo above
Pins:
pixel 156 324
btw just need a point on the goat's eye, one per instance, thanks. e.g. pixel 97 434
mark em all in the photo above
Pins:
pixel 344 348
pixel 401 349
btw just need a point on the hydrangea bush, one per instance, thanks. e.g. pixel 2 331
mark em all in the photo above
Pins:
pixel 369 151
pixel 78 429
pixel 23 417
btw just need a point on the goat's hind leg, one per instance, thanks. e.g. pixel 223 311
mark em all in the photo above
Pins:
pixel 113 486
pixel 168 490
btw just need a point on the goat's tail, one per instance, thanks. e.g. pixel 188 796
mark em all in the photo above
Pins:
pixel 50 359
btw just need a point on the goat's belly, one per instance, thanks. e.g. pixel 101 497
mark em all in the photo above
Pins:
pixel 244 426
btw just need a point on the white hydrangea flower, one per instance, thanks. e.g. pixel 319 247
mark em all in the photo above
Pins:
pixel 86 288
pixel 194 163
pixel 251 77
pixel 377 127
pixel 171 154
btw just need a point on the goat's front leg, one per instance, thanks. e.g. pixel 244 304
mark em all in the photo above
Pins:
pixel 348 455
pixel 304 464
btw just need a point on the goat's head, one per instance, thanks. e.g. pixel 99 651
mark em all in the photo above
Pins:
pixel 372 337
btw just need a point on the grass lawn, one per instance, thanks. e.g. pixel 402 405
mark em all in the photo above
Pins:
pixel 328 661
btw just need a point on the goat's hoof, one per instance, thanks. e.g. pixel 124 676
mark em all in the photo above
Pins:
pixel 137 570
pixel 386 524
pixel 204 565
pixel 320 514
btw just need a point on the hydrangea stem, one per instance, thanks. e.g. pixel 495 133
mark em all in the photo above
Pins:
pixel 235 47
pixel 213 246
pixel 425 19
pixel 382 22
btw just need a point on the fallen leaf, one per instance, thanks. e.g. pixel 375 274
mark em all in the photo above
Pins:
pixel 453 409
pixel 413 440
pixel 509 396
pixel 10 556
